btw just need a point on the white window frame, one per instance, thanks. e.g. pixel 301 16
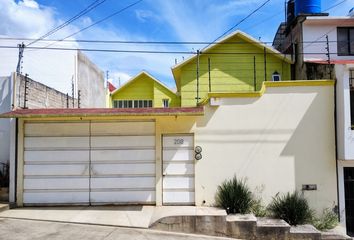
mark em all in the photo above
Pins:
pixel 130 103
pixel 166 103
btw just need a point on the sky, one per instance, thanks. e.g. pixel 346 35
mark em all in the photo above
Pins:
pixel 149 20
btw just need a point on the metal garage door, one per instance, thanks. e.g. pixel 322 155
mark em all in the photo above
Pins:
pixel 89 162
pixel 123 162
pixel 178 170
pixel 56 163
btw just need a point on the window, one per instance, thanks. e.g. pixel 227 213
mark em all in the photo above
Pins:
pixel 345 41
pixel 165 103
pixel 276 77
pixel 132 103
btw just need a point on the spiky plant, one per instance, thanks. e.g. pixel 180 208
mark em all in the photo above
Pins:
pixel 292 208
pixel 234 196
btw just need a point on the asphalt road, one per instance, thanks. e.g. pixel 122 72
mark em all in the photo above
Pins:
pixel 16 229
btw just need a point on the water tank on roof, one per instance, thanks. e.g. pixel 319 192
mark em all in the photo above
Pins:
pixel 290 13
pixel 307 7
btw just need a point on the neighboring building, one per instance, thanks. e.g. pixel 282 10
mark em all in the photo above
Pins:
pixel 143 91
pixel 236 63
pixel 323 49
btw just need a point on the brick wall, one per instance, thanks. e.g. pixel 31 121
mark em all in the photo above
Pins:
pixel 40 95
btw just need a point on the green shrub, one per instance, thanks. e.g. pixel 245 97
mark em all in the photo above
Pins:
pixel 291 207
pixel 234 196
pixel 326 221
pixel 258 209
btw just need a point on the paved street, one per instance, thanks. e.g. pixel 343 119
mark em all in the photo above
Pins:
pixel 15 229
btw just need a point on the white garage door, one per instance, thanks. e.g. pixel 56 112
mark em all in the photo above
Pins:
pixel 82 163
pixel 178 170
pixel 123 162
pixel 56 163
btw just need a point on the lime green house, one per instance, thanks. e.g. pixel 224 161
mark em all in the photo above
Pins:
pixel 236 63
pixel 143 91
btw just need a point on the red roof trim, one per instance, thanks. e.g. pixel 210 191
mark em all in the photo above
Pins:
pixel 332 61
pixel 83 112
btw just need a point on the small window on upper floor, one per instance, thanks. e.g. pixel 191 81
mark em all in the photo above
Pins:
pixel 345 41
pixel 165 103
pixel 276 77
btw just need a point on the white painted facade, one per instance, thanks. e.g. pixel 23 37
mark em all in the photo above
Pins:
pixel 268 140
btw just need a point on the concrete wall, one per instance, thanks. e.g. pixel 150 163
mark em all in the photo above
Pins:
pixel 278 141
pixel 90 81
pixel 39 95
pixel 5 106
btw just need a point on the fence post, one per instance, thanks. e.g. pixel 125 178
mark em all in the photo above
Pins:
pixel 197 76
pixel 254 74
pixel 209 75
pixel 78 98
pixel 26 92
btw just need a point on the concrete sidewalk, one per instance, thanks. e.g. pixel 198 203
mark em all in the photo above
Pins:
pixel 123 216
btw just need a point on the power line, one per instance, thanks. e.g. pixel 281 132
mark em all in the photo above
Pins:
pixel 92 6
pixel 148 42
pixel 242 20
pixel 336 5
pixel 159 52
pixel 97 22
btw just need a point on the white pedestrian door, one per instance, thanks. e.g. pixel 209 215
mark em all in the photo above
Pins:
pixel 89 163
pixel 178 170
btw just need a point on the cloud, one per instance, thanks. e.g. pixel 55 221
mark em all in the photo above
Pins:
pixel 146 15
pixel 25 18
pixel 29 3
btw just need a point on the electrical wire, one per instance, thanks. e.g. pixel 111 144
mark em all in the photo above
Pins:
pixel 242 20
pixel 89 8
pixel 97 22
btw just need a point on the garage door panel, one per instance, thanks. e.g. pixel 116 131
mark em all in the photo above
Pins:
pixel 123 128
pixel 56 142
pixel 123 142
pixel 174 197
pixel 178 155
pixel 123 169
pixel 123 197
pixel 178 168
pixel 57 129
pixel 56 197
pixel 123 182
pixel 172 182
pixel 178 141
pixel 56 183
pixel 61 170
pixel 123 155
pixel 56 156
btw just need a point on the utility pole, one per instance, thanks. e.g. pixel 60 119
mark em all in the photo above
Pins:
pixel 21 48
pixel 328 57
pixel 107 77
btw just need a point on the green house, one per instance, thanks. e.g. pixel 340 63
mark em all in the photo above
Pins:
pixel 236 63
pixel 143 91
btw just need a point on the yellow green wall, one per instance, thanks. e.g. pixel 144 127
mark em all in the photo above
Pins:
pixel 146 88
pixel 229 72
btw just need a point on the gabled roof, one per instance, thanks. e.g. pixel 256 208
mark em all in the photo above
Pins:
pixel 176 70
pixel 133 79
